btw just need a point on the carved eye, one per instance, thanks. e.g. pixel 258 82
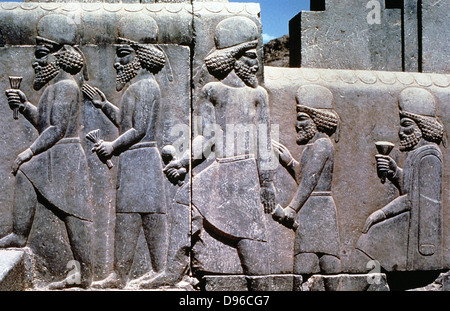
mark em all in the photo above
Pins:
pixel 41 52
pixel 250 54
pixel 123 52
pixel 302 116
pixel 406 122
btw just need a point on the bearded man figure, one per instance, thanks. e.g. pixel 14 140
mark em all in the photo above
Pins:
pixel 410 226
pixel 231 195
pixel 317 242
pixel 53 171
pixel 140 200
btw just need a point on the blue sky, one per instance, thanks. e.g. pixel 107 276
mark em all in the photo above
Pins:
pixel 275 15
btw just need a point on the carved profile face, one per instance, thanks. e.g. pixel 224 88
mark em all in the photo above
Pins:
pixel 305 127
pixel 409 134
pixel 45 66
pixel 127 65
pixel 246 67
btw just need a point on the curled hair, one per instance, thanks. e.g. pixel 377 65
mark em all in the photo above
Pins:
pixel 150 57
pixel 221 62
pixel 325 120
pixel 432 129
pixel 69 60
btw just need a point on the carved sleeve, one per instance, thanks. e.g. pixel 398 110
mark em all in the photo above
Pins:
pixel 65 95
pixel 31 113
pixel 135 117
pixel 205 120
pixel 311 173
pixel 267 162
pixel 112 112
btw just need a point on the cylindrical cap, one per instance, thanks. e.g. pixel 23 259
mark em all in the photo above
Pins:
pixel 141 28
pixel 315 96
pixel 235 30
pixel 418 101
pixel 58 28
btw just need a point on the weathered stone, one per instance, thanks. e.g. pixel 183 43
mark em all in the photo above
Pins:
pixel 12 270
pixel 280 282
pixel 341 37
pixel 171 154
pixel 48 233
pixel 347 282
pixel 367 101
pixel 435 36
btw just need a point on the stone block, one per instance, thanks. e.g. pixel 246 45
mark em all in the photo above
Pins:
pixel 347 282
pixel 279 282
pixel 367 103
pixel 435 36
pixel 12 270
pixel 340 37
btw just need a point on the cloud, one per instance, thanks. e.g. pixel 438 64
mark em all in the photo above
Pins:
pixel 266 37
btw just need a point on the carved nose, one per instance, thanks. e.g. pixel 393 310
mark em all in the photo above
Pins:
pixel 118 66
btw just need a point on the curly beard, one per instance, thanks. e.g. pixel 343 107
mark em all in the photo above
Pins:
pixel 125 73
pixel 305 134
pixel 246 73
pixel 407 142
pixel 45 74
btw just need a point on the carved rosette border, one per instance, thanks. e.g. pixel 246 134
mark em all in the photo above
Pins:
pixel 212 7
pixel 357 76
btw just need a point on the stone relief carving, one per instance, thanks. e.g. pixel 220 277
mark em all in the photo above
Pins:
pixel 53 171
pixel 140 198
pixel 173 205
pixel 227 203
pixel 410 227
pixel 312 209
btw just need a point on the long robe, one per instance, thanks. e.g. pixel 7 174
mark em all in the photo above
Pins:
pixel 59 170
pixel 412 240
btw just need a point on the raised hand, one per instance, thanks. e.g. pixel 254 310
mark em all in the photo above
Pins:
pixel 284 155
pixel 99 103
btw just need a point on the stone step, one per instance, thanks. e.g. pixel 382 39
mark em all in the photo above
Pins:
pixel 12 270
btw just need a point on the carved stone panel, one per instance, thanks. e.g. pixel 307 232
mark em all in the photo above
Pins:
pixel 372 107
pixel 50 235
pixel 145 146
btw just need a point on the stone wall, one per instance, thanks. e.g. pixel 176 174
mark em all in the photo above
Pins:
pixel 259 214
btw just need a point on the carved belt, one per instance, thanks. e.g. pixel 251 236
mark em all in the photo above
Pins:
pixel 69 140
pixel 235 158
pixel 320 193
pixel 147 144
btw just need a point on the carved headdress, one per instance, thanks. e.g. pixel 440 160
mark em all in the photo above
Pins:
pixel 420 105
pixel 317 102
pixel 59 34
pixel 233 36
pixel 140 32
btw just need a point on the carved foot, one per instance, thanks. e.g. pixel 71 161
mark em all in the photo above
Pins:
pixel 69 282
pixel 158 280
pixel 136 283
pixel 13 240
pixel 112 281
